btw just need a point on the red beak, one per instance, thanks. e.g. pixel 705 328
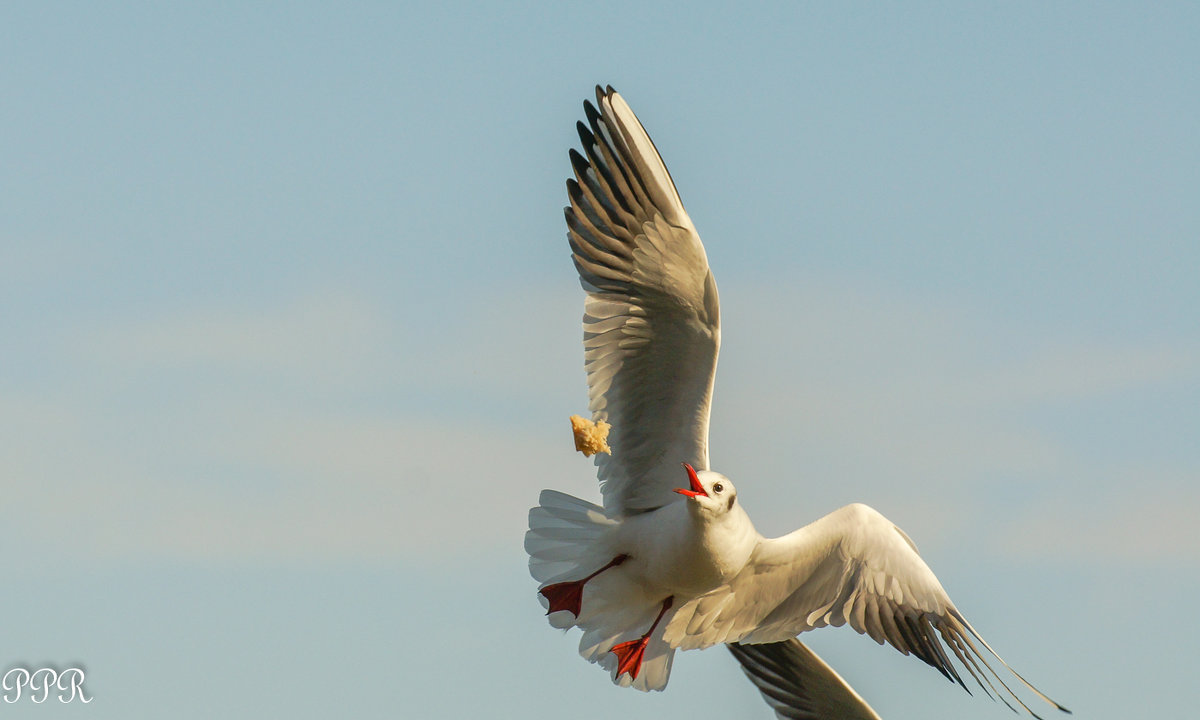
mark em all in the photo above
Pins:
pixel 697 488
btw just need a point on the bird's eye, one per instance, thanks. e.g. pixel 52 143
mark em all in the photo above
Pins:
pixel 718 487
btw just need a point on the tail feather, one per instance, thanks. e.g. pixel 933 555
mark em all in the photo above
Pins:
pixel 566 536
pixel 621 614
pixel 569 539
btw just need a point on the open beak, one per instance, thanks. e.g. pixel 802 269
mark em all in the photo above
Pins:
pixel 697 488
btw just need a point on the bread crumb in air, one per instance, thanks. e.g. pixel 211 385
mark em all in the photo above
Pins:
pixel 590 437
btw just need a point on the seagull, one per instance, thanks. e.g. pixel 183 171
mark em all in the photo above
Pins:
pixel 671 561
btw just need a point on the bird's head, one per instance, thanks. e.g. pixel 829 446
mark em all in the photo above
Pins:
pixel 710 491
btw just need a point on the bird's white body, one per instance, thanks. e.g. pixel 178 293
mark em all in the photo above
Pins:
pixel 660 567
pixel 682 550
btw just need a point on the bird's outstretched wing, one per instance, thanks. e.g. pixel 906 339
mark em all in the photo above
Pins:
pixel 651 320
pixel 853 567
pixel 797 684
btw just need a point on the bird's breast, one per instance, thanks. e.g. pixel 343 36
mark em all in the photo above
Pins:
pixel 675 553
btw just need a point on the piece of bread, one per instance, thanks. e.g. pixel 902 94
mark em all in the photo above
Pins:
pixel 590 437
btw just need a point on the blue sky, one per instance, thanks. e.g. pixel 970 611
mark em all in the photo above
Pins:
pixel 291 335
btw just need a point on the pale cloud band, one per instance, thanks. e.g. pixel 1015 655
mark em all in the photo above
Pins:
pixel 291 434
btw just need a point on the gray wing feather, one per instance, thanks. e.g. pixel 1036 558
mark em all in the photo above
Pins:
pixel 798 685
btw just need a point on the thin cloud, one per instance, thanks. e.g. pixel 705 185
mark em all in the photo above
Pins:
pixel 927 412
pixel 291 434
pixel 282 434
pixel 1129 521
pixel 309 338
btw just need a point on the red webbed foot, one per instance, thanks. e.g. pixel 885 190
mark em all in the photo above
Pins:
pixel 631 653
pixel 569 595
pixel 564 596
pixel 629 656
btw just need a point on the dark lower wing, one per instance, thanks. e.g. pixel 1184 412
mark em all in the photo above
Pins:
pixel 798 685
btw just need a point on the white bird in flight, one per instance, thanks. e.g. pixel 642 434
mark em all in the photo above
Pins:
pixel 661 567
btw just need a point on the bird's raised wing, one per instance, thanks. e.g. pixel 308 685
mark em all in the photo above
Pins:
pixel 853 567
pixel 651 320
pixel 797 684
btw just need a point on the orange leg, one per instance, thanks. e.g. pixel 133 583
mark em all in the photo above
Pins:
pixel 629 654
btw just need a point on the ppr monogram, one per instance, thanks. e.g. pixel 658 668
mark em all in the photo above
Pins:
pixel 45 681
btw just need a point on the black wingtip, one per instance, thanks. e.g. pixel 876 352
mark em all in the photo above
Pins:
pixel 578 161
pixel 585 135
pixel 590 111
